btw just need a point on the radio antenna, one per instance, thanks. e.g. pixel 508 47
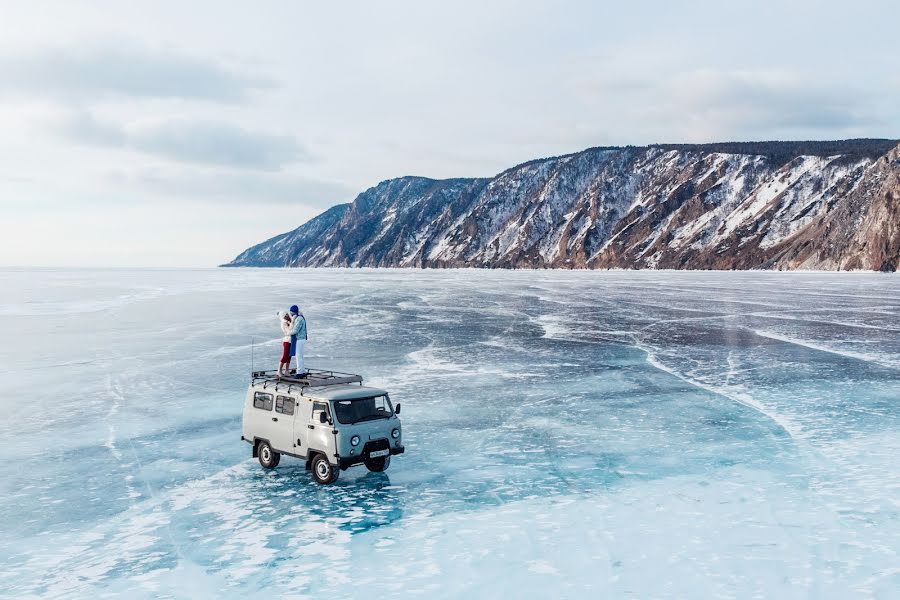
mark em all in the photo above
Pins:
pixel 251 356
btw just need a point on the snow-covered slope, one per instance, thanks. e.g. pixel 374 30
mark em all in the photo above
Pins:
pixel 272 252
pixel 814 205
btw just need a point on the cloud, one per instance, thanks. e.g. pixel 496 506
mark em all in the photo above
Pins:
pixel 233 187
pixel 84 128
pixel 219 143
pixel 203 142
pixel 122 70
pixel 707 104
pixel 766 98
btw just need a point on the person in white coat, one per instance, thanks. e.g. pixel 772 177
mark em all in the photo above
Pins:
pixel 284 364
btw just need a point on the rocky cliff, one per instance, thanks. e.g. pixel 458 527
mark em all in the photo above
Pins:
pixel 769 205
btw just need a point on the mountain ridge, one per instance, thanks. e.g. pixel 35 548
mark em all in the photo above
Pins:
pixel 829 205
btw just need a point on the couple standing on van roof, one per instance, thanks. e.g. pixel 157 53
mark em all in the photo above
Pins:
pixel 293 326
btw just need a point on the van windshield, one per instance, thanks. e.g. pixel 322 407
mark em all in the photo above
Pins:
pixel 363 409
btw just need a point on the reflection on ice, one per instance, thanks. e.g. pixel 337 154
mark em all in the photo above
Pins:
pixel 735 434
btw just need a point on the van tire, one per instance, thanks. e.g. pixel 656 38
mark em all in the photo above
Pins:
pixel 377 465
pixel 322 471
pixel 268 458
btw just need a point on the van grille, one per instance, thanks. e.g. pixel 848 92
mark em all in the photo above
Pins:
pixel 374 445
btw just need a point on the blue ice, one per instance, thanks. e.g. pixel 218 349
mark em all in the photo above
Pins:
pixel 568 434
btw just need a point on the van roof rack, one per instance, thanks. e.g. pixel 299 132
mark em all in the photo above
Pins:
pixel 312 377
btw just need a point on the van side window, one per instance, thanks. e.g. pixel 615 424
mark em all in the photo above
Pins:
pixel 284 405
pixel 263 401
pixel 317 408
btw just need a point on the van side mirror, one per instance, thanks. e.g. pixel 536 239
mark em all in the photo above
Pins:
pixel 323 418
pixel 397 410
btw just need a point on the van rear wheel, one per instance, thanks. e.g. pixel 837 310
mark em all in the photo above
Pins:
pixel 322 471
pixel 268 458
pixel 377 465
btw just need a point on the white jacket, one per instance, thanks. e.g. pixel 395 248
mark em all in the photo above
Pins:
pixel 285 326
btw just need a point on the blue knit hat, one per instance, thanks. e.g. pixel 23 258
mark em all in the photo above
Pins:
pixel 295 309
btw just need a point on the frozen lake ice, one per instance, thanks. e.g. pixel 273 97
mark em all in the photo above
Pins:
pixel 568 434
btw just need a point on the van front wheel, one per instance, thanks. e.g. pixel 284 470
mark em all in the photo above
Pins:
pixel 268 458
pixel 377 465
pixel 322 471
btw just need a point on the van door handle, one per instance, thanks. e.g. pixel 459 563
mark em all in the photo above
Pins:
pixel 311 426
pixel 274 418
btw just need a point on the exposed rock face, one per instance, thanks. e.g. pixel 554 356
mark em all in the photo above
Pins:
pixel 860 231
pixel 787 205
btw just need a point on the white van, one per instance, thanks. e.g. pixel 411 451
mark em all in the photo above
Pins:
pixel 328 419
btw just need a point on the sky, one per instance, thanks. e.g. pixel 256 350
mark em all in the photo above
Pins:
pixel 172 134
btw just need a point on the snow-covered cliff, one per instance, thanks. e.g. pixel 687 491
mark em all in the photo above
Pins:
pixel 772 205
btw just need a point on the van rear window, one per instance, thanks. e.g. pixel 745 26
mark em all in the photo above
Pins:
pixel 284 405
pixel 262 401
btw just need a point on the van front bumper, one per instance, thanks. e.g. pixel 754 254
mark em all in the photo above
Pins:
pixel 348 461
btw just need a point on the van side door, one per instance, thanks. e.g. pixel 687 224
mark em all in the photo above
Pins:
pixel 282 436
pixel 320 434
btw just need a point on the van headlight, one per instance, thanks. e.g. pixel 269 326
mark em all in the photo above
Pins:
pixel 354 441
pixel 395 433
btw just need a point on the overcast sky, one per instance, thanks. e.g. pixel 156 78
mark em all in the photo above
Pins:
pixel 177 134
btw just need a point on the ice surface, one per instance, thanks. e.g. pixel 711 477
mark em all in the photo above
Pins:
pixel 569 434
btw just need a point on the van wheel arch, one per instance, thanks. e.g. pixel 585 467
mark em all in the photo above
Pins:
pixel 378 465
pixel 311 454
pixel 268 457
pixel 323 472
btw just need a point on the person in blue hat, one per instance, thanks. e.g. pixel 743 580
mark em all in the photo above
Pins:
pixel 298 337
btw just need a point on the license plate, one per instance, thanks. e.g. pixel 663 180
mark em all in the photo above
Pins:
pixel 378 453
